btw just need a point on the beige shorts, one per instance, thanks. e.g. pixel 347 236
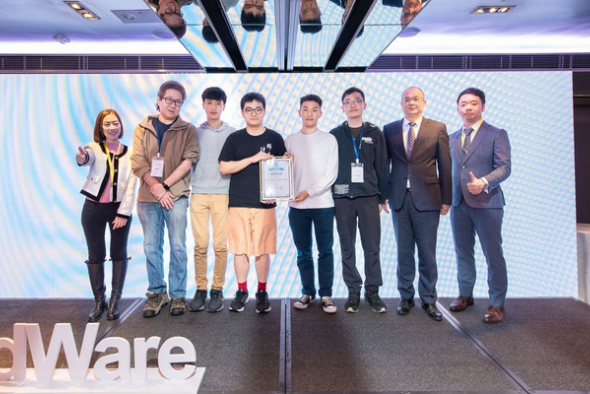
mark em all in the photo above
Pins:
pixel 252 231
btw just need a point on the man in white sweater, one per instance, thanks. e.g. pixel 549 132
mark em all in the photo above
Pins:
pixel 315 169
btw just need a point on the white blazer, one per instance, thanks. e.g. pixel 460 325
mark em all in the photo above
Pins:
pixel 124 181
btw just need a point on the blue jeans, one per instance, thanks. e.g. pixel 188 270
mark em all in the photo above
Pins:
pixel 153 217
pixel 323 221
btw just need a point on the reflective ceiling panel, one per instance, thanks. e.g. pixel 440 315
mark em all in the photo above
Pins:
pixel 199 38
pixel 384 24
pixel 319 24
pixel 253 22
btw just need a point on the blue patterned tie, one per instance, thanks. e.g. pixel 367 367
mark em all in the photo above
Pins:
pixel 411 139
pixel 467 141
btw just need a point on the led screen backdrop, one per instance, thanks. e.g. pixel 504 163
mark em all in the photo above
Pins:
pixel 44 118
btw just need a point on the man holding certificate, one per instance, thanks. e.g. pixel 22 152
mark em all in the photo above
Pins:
pixel 359 192
pixel 252 223
pixel 315 169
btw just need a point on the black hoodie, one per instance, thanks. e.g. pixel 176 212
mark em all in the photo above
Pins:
pixel 373 156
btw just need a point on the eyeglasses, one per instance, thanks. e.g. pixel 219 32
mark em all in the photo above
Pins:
pixel 170 101
pixel 408 100
pixel 251 110
pixel 348 103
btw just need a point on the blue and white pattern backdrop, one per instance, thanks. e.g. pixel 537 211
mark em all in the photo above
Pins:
pixel 44 118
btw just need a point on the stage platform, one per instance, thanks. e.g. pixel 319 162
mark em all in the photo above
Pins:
pixel 542 346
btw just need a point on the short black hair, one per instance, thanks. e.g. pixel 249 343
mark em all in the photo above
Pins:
pixel 170 85
pixel 311 26
pixel 352 90
pixel 311 97
pixel 476 92
pixel 253 22
pixel 252 96
pixel 209 35
pixel 214 93
pixel 179 31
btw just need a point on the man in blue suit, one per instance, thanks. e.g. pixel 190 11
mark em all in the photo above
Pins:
pixel 420 188
pixel 481 161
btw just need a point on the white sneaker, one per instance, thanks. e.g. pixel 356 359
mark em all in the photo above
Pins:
pixel 328 305
pixel 304 301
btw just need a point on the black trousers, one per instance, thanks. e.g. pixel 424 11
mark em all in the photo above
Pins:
pixel 365 212
pixel 95 217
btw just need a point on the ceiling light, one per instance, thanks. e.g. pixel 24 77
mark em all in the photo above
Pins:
pixel 492 9
pixel 82 10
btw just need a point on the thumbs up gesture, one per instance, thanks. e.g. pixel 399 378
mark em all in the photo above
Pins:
pixel 81 156
pixel 476 185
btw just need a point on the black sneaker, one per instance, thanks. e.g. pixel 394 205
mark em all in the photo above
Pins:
pixel 198 301
pixel 352 303
pixel 262 304
pixel 375 301
pixel 239 301
pixel 303 302
pixel 216 302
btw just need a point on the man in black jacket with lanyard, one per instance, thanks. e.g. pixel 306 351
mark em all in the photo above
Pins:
pixel 359 192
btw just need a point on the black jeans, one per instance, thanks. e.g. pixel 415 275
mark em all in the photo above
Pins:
pixel 95 217
pixel 365 210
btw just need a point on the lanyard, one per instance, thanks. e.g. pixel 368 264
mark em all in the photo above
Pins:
pixel 357 149
pixel 156 124
pixel 159 136
pixel 111 165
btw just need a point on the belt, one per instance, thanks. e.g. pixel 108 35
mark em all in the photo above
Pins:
pixel 408 191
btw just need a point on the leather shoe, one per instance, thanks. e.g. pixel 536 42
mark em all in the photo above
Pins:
pixel 461 303
pixel 432 311
pixel 404 306
pixel 494 314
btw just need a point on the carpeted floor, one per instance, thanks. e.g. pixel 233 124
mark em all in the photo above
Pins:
pixel 543 343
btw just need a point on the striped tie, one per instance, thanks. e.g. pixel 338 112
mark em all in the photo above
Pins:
pixel 411 139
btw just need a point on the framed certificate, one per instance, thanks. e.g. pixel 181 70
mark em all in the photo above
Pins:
pixel 276 178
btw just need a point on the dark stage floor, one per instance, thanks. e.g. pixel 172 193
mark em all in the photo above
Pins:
pixel 542 346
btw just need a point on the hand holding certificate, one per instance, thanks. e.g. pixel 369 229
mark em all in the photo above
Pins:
pixel 276 179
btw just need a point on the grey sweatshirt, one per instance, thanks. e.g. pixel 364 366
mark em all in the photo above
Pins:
pixel 206 178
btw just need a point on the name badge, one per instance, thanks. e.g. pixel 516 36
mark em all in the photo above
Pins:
pixel 357 175
pixel 157 167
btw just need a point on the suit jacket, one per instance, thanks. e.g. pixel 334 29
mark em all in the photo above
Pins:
pixel 489 157
pixel 430 189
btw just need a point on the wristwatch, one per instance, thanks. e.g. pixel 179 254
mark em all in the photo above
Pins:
pixel 166 186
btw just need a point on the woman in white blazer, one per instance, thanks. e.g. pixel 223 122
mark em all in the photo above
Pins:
pixel 110 195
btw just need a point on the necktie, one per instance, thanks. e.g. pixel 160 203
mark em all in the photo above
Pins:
pixel 411 139
pixel 467 141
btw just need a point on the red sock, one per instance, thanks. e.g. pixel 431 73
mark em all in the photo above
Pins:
pixel 243 286
pixel 261 286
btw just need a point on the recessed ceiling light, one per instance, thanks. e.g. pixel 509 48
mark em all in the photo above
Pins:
pixel 492 9
pixel 163 33
pixel 82 10
pixel 61 39
pixel 409 32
